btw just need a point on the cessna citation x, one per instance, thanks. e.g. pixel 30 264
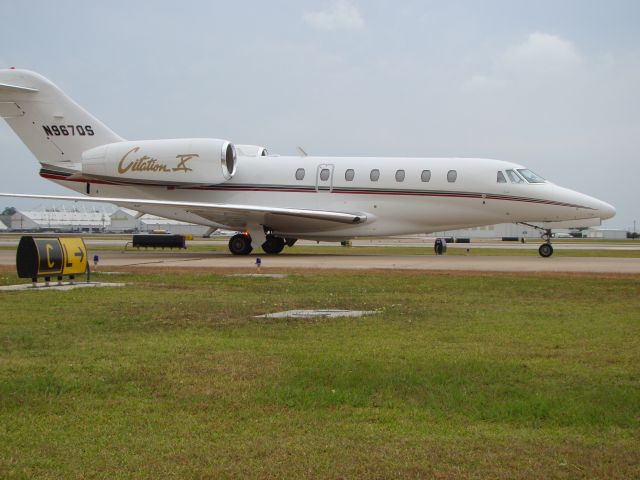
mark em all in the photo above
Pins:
pixel 275 200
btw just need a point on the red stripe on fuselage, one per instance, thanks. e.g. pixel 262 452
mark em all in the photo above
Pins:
pixel 233 188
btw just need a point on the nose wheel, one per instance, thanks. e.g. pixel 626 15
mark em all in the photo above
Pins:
pixel 546 249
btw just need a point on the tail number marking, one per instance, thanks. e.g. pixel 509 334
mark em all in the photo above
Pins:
pixel 67 130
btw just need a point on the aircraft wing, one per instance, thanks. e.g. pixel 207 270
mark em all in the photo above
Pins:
pixel 236 216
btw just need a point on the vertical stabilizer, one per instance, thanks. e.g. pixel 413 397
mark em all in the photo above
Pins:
pixel 55 128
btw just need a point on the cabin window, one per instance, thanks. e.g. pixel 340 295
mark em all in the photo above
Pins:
pixel 300 174
pixel 374 175
pixel 501 178
pixel 530 176
pixel 349 174
pixel 426 175
pixel 400 176
pixel 324 174
pixel 514 177
pixel 452 176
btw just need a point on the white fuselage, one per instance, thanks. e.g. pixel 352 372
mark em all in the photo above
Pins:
pixel 394 204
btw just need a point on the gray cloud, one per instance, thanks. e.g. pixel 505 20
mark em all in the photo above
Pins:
pixel 541 58
pixel 543 51
pixel 340 15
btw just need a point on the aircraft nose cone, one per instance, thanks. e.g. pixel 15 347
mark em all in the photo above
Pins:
pixel 606 210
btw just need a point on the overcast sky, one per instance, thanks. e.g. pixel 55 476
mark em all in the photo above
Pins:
pixel 554 85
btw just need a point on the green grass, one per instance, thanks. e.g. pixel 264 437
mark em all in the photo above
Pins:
pixel 457 376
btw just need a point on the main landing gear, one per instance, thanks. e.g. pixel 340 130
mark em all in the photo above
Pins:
pixel 273 245
pixel 546 249
pixel 240 244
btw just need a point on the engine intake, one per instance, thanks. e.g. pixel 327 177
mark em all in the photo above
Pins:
pixel 177 162
pixel 252 150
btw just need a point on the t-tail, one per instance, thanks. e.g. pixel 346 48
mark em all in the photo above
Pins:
pixel 55 128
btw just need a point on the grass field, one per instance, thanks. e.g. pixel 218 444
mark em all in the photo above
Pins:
pixel 457 376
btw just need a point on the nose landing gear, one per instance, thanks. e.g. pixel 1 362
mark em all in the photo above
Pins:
pixel 546 249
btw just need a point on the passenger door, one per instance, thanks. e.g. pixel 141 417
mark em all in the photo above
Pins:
pixel 324 177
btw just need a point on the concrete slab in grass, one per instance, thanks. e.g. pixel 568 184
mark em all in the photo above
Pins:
pixel 328 313
pixel 54 286
pixel 259 275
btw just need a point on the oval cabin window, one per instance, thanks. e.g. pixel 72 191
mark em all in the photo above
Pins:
pixel 300 174
pixel 375 175
pixel 452 176
pixel 426 175
pixel 349 174
pixel 324 174
pixel 400 176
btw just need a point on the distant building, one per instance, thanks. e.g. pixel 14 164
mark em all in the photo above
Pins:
pixel 60 220
pixel 124 220
pixel 607 233
pixel 3 227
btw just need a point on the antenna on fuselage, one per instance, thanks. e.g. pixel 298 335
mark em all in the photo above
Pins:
pixel 302 152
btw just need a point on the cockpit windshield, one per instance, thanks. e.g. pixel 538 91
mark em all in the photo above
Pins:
pixel 514 177
pixel 530 176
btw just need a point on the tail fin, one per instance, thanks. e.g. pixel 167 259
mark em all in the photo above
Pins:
pixel 54 127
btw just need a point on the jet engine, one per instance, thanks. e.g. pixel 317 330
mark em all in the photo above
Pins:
pixel 175 162
pixel 252 151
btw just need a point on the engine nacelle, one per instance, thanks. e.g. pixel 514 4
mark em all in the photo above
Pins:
pixel 252 150
pixel 176 162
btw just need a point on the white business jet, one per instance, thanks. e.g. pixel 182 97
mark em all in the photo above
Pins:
pixel 275 200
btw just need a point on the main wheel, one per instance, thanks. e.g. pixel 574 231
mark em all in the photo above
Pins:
pixel 545 250
pixel 240 244
pixel 273 245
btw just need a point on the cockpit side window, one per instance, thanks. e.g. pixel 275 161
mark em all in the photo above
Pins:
pixel 501 178
pixel 530 176
pixel 514 177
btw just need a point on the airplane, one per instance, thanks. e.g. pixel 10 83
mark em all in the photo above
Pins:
pixel 272 200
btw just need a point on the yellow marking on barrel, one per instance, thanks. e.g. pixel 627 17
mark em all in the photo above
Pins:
pixel 75 256
pixel 48 249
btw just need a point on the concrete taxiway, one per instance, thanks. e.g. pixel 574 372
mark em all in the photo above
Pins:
pixel 214 260
pixel 406 259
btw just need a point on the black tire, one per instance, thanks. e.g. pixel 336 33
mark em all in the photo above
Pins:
pixel 240 244
pixel 545 250
pixel 273 245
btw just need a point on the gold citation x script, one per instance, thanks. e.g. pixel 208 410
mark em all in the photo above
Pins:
pixel 150 164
